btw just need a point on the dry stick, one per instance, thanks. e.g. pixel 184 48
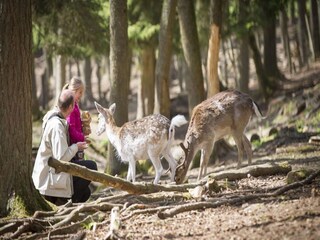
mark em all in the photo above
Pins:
pixel 202 205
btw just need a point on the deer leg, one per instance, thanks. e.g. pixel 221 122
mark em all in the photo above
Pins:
pixel 204 160
pixel 132 170
pixel 248 148
pixel 238 140
pixel 157 167
pixel 172 163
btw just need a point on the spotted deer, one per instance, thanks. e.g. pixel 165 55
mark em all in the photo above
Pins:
pixel 149 137
pixel 226 113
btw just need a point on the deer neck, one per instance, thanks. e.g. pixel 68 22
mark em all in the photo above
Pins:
pixel 112 131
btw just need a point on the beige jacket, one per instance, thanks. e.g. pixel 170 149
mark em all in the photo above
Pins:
pixel 54 143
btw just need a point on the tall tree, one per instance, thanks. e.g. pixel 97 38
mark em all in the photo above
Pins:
pixel 144 17
pixel 315 28
pixel 269 34
pixel 191 49
pixel 16 190
pixel 302 33
pixel 243 59
pixel 118 72
pixel 162 101
pixel 285 36
pixel 216 12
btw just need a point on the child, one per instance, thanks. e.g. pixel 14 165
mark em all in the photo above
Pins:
pixel 76 134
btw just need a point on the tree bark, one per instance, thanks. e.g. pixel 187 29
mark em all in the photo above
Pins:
pixel 162 100
pixel 191 49
pixel 216 12
pixel 118 72
pixel 17 194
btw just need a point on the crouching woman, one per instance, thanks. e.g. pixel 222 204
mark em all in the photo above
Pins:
pixel 59 187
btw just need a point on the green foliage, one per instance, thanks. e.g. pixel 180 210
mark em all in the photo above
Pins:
pixel 70 27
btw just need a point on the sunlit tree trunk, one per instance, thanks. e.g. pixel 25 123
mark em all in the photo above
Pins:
pixel 162 100
pixel 17 193
pixel 89 100
pixel 216 12
pixel 118 72
pixel 191 49
pixel 146 86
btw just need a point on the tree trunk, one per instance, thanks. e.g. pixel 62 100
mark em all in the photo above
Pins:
pixel 60 74
pixel 302 33
pixel 243 58
pixel 285 37
pixel 118 72
pixel 162 100
pixel 36 114
pixel 269 36
pixel 89 100
pixel 146 86
pixel 262 77
pixel 315 28
pixel 17 194
pixel 216 12
pixel 191 49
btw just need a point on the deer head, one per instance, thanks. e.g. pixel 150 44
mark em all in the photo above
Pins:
pixel 181 170
pixel 105 117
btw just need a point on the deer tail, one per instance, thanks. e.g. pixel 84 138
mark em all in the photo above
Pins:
pixel 257 110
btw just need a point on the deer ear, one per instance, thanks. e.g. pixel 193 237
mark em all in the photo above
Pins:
pixel 99 107
pixel 112 108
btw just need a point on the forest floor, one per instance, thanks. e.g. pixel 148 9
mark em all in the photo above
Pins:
pixel 292 121
pixel 293 118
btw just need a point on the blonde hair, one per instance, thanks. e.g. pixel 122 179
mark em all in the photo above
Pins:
pixel 74 84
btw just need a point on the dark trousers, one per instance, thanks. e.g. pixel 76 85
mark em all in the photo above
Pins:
pixel 81 190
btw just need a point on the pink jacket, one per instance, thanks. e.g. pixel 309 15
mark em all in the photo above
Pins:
pixel 75 125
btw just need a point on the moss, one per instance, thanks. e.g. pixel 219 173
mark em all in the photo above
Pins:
pixel 295 176
pixel 22 206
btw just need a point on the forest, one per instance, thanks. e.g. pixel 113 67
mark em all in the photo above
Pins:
pixel 166 57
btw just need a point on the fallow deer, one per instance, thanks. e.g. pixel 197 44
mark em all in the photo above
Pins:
pixel 148 137
pixel 226 113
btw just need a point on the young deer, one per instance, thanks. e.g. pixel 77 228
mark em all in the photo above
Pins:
pixel 226 113
pixel 149 137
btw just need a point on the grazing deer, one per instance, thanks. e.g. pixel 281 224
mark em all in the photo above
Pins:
pixel 226 113
pixel 149 137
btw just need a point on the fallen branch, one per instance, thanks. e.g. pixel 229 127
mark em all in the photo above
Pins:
pixel 203 205
pixel 266 169
pixel 115 182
